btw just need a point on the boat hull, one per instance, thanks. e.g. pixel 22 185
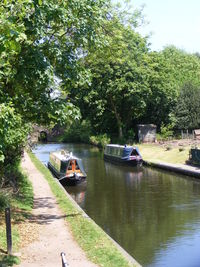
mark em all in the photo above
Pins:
pixel 73 180
pixel 117 160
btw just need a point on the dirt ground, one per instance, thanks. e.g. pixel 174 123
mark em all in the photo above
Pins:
pixel 180 142
pixel 47 234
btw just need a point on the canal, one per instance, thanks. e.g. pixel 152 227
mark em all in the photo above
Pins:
pixel 154 215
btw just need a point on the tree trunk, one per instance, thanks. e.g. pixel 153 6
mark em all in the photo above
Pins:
pixel 120 131
pixel 118 118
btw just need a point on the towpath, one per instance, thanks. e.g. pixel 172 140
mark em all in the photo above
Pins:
pixel 52 234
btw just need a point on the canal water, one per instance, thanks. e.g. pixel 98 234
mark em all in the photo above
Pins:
pixel 154 215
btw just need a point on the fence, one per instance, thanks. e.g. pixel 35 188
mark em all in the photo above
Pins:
pixel 186 134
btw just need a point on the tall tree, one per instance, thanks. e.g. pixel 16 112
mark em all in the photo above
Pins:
pixel 41 42
pixel 187 110
pixel 118 89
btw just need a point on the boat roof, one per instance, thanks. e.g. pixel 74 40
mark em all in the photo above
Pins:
pixel 115 145
pixel 64 155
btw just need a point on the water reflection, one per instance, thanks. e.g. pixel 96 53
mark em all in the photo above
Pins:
pixel 78 192
pixel 154 215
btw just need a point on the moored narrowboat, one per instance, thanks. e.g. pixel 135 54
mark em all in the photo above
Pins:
pixel 123 154
pixel 66 167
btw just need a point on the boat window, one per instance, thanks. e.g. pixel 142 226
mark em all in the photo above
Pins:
pixel 77 167
pixel 63 167
pixel 70 166
pixel 134 152
pixel 119 151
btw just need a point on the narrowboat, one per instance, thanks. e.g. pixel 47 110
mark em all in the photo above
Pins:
pixel 123 154
pixel 66 167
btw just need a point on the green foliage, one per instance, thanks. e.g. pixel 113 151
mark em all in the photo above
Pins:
pixel 4 200
pixel 41 43
pixel 100 140
pixel 127 83
pixel 117 90
pixel 13 135
pixel 187 110
pixel 20 202
pixel 8 260
pixel 184 67
pixel 166 132
pixel 79 131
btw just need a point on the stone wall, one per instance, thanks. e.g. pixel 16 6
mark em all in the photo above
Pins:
pixel 146 133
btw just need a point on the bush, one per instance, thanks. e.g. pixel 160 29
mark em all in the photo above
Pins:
pixel 100 140
pixel 165 132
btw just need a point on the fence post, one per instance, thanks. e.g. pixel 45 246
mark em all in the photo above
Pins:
pixel 64 262
pixel 8 231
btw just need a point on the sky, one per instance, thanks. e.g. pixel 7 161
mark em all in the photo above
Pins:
pixel 172 22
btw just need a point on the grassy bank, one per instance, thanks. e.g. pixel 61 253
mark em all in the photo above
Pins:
pixel 157 153
pixel 98 247
pixel 20 203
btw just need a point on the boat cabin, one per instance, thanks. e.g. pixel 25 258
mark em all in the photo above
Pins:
pixel 64 165
pixel 122 153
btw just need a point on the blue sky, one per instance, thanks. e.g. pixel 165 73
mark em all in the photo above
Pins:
pixel 172 22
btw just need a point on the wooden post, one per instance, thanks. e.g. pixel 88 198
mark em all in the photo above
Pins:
pixel 64 262
pixel 8 231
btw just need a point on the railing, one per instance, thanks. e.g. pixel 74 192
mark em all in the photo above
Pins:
pixel 64 262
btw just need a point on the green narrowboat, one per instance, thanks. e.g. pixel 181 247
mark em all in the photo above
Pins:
pixel 66 167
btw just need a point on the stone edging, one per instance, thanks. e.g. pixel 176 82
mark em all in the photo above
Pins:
pixel 181 168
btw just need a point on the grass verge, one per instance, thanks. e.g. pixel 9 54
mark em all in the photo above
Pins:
pixel 20 203
pixel 96 244
pixel 156 153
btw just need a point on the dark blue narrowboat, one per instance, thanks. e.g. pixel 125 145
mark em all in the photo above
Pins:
pixel 66 167
pixel 123 154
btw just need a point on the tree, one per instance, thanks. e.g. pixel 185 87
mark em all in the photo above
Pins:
pixel 185 67
pixel 41 43
pixel 187 110
pixel 163 90
pixel 117 90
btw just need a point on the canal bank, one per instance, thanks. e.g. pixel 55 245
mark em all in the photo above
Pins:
pixel 176 168
pixel 98 247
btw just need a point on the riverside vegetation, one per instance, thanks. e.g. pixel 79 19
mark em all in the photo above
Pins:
pixel 84 66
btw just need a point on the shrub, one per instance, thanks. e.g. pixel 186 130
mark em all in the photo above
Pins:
pixel 165 132
pixel 100 140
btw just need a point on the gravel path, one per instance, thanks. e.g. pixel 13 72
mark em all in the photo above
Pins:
pixel 53 234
